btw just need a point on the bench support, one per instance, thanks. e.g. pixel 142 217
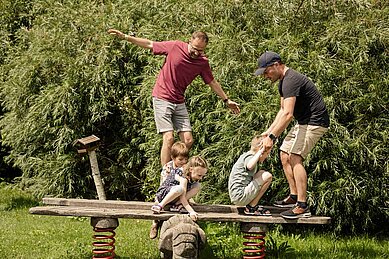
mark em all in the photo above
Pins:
pixel 104 234
pixel 255 233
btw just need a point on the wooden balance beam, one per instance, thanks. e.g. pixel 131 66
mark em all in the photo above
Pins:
pixel 109 211
pixel 104 213
pixel 141 210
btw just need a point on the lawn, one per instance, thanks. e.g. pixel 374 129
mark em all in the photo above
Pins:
pixel 33 236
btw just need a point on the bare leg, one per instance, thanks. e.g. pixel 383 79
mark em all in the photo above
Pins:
pixel 187 138
pixel 265 178
pixel 168 140
pixel 288 170
pixel 300 176
pixel 174 193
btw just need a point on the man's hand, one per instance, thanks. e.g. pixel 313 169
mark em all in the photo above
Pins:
pixel 117 33
pixel 267 143
pixel 233 106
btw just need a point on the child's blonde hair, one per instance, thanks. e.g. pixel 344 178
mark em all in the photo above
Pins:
pixel 256 142
pixel 179 149
pixel 193 162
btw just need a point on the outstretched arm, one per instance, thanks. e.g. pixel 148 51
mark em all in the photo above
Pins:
pixel 144 43
pixel 216 87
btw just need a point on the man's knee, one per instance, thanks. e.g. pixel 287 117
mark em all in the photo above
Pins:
pixel 285 158
pixel 187 138
pixel 168 138
pixel 188 142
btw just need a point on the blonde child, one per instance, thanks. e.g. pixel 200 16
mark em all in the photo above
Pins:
pixel 180 186
pixel 247 183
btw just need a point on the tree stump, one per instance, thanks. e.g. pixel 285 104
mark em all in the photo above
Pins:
pixel 181 238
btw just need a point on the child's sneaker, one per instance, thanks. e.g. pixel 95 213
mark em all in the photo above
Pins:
pixel 257 210
pixel 250 210
pixel 296 212
pixel 288 202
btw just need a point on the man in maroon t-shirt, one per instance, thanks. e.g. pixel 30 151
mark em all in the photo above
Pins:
pixel 183 63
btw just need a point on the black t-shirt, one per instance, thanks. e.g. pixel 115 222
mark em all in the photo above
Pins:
pixel 309 108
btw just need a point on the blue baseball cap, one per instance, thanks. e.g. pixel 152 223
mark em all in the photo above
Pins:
pixel 266 59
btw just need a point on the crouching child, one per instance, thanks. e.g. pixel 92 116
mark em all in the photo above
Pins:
pixel 247 183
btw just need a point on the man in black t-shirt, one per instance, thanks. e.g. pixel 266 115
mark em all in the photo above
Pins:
pixel 301 100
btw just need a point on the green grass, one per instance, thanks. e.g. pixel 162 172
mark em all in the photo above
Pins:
pixel 32 236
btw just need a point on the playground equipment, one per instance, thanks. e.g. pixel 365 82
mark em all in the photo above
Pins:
pixel 104 228
pixel 104 216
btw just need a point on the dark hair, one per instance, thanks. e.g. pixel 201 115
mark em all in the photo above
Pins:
pixel 179 149
pixel 200 35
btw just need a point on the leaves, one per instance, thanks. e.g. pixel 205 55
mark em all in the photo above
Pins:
pixel 63 78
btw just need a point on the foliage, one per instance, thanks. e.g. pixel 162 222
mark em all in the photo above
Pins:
pixel 63 78
pixel 37 236
pixel 278 249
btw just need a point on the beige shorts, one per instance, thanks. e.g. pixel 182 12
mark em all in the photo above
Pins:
pixel 301 139
pixel 170 116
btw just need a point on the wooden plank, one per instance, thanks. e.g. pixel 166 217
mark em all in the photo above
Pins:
pixel 116 204
pixel 147 214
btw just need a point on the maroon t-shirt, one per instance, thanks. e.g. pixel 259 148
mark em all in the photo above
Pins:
pixel 178 71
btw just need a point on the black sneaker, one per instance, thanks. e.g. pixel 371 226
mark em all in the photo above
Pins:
pixel 257 210
pixel 288 202
pixel 296 212
pixel 250 210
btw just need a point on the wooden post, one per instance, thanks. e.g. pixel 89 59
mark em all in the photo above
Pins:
pixel 96 175
pixel 90 144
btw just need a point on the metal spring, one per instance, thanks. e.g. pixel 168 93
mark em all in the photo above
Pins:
pixel 255 248
pixel 106 244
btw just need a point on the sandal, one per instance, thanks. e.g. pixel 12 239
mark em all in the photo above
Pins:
pixel 257 210
pixel 261 211
pixel 156 209
pixel 176 208
pixel 251 210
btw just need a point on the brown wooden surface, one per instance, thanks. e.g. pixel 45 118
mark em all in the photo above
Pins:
pixel 141 210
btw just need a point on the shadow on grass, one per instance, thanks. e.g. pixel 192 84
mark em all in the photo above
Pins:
pixel 19 203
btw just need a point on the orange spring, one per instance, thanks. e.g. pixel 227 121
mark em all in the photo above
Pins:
pixel 255 248
pixel 105 246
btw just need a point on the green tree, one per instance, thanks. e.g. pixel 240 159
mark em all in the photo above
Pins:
pixel 63 77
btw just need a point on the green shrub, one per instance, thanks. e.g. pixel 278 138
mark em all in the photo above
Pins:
pixel 63 78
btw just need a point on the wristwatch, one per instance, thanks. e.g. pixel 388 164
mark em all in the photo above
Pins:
pixel 273 137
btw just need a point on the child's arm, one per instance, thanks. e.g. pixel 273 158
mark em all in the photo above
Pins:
pixel 183 183
pixel 257 157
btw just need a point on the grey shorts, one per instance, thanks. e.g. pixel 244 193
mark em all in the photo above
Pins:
pixel 170 116
pixel 301 139
pixel 243 196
